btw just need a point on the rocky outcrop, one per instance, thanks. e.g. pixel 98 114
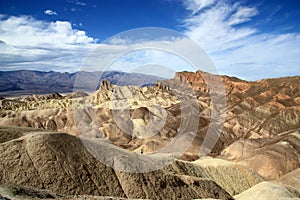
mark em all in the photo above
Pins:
pixel 16 192
pixel 234 178
pixel 199 81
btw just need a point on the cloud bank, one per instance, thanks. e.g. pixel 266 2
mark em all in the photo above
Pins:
pixel 28 43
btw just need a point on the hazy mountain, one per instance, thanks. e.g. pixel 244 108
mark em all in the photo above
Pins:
pixel 24 82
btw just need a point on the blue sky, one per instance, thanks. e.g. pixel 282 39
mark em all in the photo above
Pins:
pixel 248 39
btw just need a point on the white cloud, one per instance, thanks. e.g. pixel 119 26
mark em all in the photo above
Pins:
pixel 242 14
pixel 34 44
pixel 197 5
pixel 50 12
pixel 238 48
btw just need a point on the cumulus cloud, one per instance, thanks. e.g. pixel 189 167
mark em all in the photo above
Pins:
pixel 236 47
pixel 33 44
pixel 50 12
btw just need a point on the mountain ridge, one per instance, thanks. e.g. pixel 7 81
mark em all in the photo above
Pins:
pixel 25 82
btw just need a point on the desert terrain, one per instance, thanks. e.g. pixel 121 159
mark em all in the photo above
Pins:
pixel 183 138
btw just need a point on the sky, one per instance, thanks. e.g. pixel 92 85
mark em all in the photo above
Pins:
pixel 249 39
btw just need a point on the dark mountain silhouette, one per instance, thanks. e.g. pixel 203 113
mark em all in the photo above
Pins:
pixel 24 82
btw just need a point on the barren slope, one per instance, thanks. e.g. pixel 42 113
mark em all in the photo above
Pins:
pixel 59 162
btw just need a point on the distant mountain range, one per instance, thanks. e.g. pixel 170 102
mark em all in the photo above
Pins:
pixel 23 82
